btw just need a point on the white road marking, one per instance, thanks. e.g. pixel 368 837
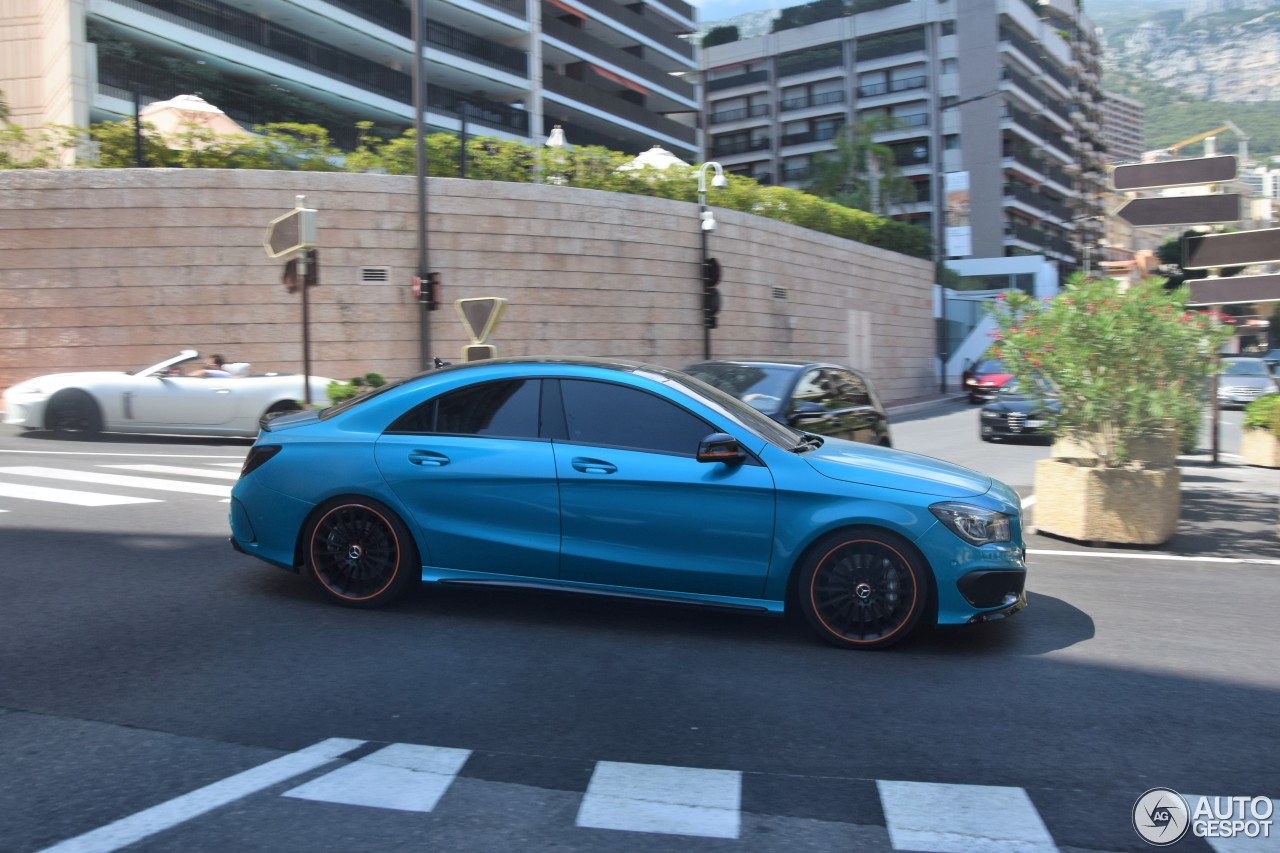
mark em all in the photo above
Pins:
pixel 176 469
pixel 670 800
pixel 67 496
pixel 121 480
pixel 132 455
pixel 401 776
pixel 1168 558
pixel 938 818
pixel 167 815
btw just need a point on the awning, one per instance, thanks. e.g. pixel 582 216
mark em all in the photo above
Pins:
pixel 619 79
pixel 565 7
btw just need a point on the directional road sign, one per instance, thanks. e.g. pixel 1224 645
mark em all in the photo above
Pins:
pixel 292 231
pixel 1212 209
pixel 1233 249
pixel 1240 289
pixel 1174 173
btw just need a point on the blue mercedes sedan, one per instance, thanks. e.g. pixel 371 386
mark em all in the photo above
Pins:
pixel 624 479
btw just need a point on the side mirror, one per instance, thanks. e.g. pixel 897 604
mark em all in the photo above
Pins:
pixel 720 447
pixel 806 411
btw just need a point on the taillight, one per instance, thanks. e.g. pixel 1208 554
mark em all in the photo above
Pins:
pixel 258 454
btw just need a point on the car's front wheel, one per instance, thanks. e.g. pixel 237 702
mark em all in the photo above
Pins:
pixel 73 414
pixel 863 588
pixel 360 553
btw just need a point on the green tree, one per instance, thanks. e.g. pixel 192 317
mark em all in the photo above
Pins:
pixel 720 35
pixel 1121 361
pixel 861 173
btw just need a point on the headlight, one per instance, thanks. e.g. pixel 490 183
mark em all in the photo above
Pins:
pixel 985 415
pixel 974 524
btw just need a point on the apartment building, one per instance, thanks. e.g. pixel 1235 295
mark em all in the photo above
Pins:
pixel 1123 128
pixel 995 109
pixel 610 73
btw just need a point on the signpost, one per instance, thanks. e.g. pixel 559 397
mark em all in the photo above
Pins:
pixel 480 315
pixel 1129 177
pixel 1237 290
pixel 295 232
pixel 1233 249
pixel 1213 209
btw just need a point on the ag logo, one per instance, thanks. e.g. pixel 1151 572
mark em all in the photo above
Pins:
pixel 1161 817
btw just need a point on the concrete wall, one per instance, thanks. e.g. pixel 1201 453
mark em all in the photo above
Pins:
pixel 115 269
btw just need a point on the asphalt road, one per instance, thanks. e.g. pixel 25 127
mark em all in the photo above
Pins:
pixel 160 692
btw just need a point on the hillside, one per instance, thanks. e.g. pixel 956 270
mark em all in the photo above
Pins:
pixel 1197 64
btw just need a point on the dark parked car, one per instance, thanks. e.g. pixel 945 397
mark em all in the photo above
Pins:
pixel 823 399
pixel 1019 412
pixel 985 378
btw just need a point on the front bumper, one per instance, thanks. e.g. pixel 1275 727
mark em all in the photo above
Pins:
pixel 976 584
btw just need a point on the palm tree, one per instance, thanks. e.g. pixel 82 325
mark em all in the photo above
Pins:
pixel 4 108
pixel 861 173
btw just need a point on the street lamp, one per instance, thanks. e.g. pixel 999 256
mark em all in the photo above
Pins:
pixel 420 172
pixel 708 267
pixel 559 143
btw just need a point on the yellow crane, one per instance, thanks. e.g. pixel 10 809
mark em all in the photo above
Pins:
pixel 1172 151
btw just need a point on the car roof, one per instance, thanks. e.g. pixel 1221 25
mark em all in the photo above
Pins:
pixel 775 362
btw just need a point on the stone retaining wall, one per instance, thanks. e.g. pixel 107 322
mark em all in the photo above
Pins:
pixel 115 269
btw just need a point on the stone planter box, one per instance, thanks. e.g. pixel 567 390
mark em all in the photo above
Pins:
pixel 1159 449
pixel 1122 506
pixel 1260 447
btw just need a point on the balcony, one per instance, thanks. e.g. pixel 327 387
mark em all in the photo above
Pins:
pixel 732 148
pixel 745 79
pixel 815 60
pixel 591 47
pixel 907 84
pixel 796 173
pixel 806 101
pixel 822 134
pixel 638 23
pixel 737 115
pixel 1038 201
pixel 221 21
pixel 615 106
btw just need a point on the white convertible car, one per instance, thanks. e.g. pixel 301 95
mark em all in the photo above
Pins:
pixel 157 399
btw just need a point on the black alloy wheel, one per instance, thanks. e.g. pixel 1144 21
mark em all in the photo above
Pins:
pixel 360 553
pixel 863 588
pixel 73 414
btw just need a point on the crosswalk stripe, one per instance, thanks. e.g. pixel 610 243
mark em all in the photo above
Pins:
pixel 942 818
pixel 181 809
pixel 121 480
pixel 402 776
pixel 176 469
pixel 659 798
pixel 67 496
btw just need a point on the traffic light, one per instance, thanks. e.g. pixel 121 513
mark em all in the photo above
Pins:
pixel 426 289
pixel 710 291
pixel 312 277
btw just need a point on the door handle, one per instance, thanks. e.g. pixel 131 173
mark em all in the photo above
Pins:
pixel 428 458
pixel 593 466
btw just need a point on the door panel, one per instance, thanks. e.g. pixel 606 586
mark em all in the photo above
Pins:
pixel 481 504
pixel 645 520
pixel 182 400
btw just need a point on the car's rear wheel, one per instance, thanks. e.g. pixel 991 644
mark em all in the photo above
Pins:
pixel 73 414
pixel 360 553
pixel 863 588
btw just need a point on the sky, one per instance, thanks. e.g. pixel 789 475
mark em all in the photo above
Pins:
pixel 715 10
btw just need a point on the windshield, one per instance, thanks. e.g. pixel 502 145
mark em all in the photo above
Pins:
pixel 990 365
pixel 763 387
pixel 1245 367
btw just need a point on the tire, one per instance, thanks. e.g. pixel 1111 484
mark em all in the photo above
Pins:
pixel 359 553
pixel 863 588
pixel 73 414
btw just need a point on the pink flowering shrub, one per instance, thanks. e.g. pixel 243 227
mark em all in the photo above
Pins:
pixel 1122 361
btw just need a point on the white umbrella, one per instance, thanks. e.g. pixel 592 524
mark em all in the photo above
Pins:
pixel 656 157
pixel 189 112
